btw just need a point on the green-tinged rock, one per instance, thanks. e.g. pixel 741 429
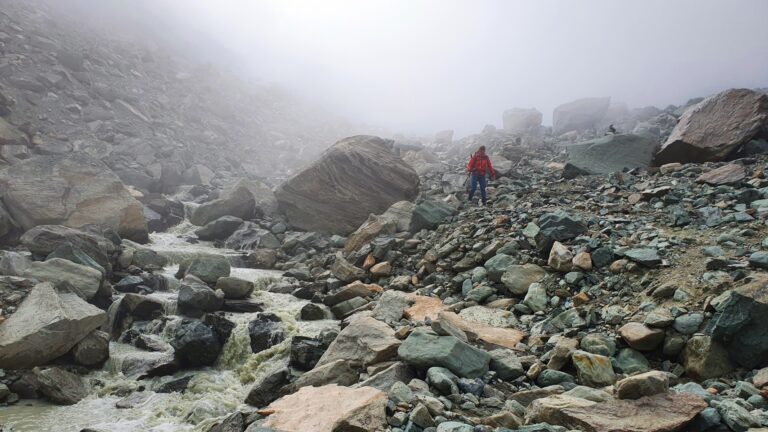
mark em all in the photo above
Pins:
pixel 424 349
pixel 518 278
pixel 593 370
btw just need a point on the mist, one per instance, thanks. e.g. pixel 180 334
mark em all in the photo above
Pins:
pixel 418 67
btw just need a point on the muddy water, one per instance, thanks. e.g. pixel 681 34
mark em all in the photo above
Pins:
pixel 211 394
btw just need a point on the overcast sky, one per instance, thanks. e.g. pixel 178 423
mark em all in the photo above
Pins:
pixel 425 65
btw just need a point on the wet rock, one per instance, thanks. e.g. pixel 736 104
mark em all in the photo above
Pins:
pixel 175 386
pixel 61 387
pixel 251 236
pixel 336 372
pixel 423 349
pixel 93 350
pixel 315 199
pixel 219 229
pixel 234 422
pixel 195 298
pixel 329 408
pixel 237 201
pixel 713 128
pixel 195 344
pixel 629 361
pixel 234 288
pixel 131 307
pixel 46 326
pixel 736 416
pixel 72 190
pixel 645 384
pixel 365 341
pixel 267 389
pixel 66 275
pixel 265 331
pixel 208 268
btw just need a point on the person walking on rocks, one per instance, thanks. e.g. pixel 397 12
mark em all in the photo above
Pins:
pixel 479 166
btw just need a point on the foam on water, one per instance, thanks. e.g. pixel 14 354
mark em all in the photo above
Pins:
pixel 212 393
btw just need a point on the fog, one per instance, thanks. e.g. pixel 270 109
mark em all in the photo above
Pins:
pixel 421 66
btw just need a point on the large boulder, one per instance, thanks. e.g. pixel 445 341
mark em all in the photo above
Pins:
pixel 219 229
pixel 424 349
pixel 61 387
pixel 612 153
pixel 66 275
pixel 329 408
pixel 430 214
pixel 208 268
pixel 357 176
pixel 715 127
pixel 46 326
pixel 741 315
pixel 522 119
pixel 365 341
pixel 72 190
pixel 196 344
pixel 579 115
pixel 245 199
pixel 44 240
pixel 660 413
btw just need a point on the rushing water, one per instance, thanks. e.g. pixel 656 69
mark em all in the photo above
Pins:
pixel 212 393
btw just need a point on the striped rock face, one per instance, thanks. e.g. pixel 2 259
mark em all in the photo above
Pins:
pixel 358 176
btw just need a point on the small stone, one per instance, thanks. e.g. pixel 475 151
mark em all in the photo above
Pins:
pixel 641 337
pixel 583 260
pixel 560 258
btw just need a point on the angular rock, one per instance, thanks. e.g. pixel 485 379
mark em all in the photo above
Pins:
pixel 195 344
pixel 641 337
pixel 267 389
pixel 429 214
pixel 235 288
pixel 346 271
pixel 713 128
pixel 357 176
pixel 365 341
pixel 560 258
pixel 645 384
pixel 730 174
pixel 329 408
pixel 265 331
pixel 612 153
pixel 208 268
pixel 72 190
pixel 46 326
pixel 518 278
pixel 93 350
pixel 706 358
pixel 237 201
pixel 66 275
pixel 593 370
pixel 61 387
pixel 219 229
pixel 522 119
pixel 661 413
pixel 424 349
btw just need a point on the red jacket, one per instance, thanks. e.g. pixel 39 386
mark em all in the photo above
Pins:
pixel 481 164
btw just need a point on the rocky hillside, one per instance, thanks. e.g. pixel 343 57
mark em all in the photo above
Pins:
pixel 150 116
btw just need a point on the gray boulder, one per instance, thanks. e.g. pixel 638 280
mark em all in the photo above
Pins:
pixel 357 176
pixel 235 288
pixel 219 229
pixel 612 153
pixel 196 298
pixel 45 239
pixel 195 344
pixel 250 236
pixel 579 115
pixel 61 387
pixel 245 199
pixel 365 341
pixel 72 190
pixel 93 350
pixel 715 127
pixel 522 119
pixel 429 214
pixel 46 326
pixel 424 349
pixel 208 268
pixel 66 275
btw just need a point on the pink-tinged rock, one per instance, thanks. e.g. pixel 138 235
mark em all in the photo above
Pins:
pixel 583 260
pixel 661 413
pixel 725 175
pixel 560 258
pixel 641 337
pixel 329 408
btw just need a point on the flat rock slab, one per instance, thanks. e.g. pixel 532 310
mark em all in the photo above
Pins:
pixel 725 175
pixel 661 413
pixel 424 307
pixel 492 336
pixel 329 408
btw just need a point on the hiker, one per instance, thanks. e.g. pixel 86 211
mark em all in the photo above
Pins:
pixel 479 166
pixel 611 130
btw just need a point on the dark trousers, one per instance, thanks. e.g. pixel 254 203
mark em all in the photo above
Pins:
pixel 477 179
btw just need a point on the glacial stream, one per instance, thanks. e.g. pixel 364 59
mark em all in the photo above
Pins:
pixel 213 392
